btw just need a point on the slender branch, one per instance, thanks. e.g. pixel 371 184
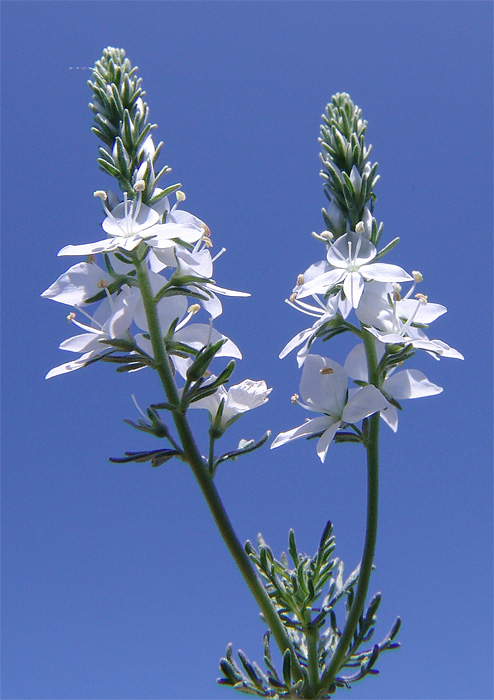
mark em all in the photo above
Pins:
pixel 205 480
pixel 371 428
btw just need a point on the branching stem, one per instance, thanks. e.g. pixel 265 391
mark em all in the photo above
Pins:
pixel 200 469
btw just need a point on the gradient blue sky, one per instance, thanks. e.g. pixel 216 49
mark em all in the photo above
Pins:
pixel 115 582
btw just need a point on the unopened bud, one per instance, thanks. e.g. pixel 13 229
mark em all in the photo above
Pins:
pixel 326 370
pixel 422 298
pixel 417 276
pixel 294 398
pixel 300 280
pixel 180 196
pixel 101 194
pixel 140 186
pixel 360 228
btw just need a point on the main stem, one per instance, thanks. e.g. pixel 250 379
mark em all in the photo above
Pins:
pixel 372 446
pixel 205 480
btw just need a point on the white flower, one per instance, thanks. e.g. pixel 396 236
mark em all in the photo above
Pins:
pixel 396 321
pixel 350 261
pixel 238 399
pixel 111 320
pixel 404 384
pixel 131 222
pixel 324 389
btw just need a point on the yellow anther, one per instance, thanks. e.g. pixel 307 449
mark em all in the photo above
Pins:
pixel 327 235
pixel 294 398
pixel 194 308
pixel 206 230
pixel 91 259
pixel 326 370
pixel 396 291
pixel 422 298
pixel 300 280
pixel 292 297
pixel 102 284
pixel 417 276
pixel 101 194
pixel 360 227
pixel 207 242
pixel 71 316
pixel 140 186
pixel 180 196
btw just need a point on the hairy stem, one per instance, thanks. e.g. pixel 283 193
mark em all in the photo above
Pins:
pixel 205 480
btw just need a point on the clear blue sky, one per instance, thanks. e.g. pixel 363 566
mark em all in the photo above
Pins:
pixel 115 581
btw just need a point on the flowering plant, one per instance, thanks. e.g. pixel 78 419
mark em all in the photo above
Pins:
pixel 136 308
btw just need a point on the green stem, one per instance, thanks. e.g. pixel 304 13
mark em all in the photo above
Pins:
pixel 372 446
pixel 312 636
pixel 193 457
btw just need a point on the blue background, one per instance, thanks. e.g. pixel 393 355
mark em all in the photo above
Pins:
pixel 115 581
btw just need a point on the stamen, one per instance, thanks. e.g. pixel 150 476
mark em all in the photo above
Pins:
pixel 223 250
pixel 300 280
pixel 180 196
pixel 294 398
pixel 140 186
pixel 422 298
pixel 417 276
pixel 326 370
pixel 71 317
pixel 360 227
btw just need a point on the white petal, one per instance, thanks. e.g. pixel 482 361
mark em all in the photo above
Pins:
pixel 363 403
pixel 390 417
pixel 321 284
pixel 80 282
pixel 310 427
pixel 326 392
pixel 325 440
pixel 410 384
pixel 383 272
pixel 90 248
pixel 353 287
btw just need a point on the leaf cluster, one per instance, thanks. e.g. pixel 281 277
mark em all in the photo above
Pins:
pixel 305 597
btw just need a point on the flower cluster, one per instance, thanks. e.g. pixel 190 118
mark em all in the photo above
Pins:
pixel 175 247
pixel 350 280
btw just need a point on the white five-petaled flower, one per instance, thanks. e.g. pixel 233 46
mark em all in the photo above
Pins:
pixel 350 261
pixel 131 222
pixel 238 399
pixel 398 321
pixel 404 384
pixel 324 389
